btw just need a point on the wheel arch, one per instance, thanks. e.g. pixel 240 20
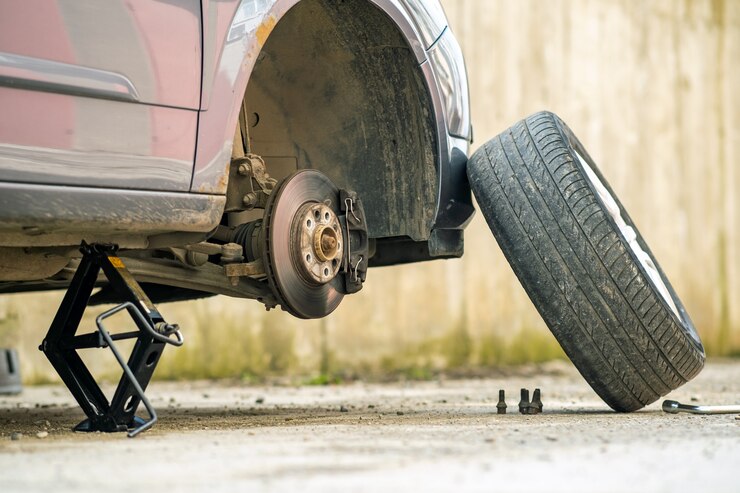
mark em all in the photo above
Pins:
pixel 230 62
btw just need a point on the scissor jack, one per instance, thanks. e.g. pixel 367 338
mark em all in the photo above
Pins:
pixel 61 344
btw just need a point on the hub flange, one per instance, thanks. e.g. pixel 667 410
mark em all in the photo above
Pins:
pixel 317 242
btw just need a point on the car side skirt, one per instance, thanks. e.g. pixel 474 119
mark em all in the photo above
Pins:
pixel 48 215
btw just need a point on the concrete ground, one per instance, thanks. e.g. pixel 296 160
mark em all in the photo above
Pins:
pixel 441 435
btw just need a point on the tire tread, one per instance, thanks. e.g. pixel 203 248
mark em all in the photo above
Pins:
pixel 576 268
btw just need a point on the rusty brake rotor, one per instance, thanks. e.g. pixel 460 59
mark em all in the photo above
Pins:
pixel 304 244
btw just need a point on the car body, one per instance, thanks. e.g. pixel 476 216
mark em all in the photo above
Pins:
pixel 118 118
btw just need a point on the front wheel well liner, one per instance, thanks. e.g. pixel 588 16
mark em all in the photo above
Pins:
pixel 336 87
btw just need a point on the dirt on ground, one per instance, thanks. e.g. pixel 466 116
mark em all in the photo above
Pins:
pixel 441 435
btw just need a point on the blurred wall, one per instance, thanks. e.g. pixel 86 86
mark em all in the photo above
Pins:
pixel 652 88
pixel 653 91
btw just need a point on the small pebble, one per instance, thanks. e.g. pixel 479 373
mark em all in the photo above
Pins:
pixel 400 413
pixel 42 434
pixel 343 409
pixel 259 400
pixel 16 436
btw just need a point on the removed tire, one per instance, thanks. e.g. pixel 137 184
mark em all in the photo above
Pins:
pixel 583 263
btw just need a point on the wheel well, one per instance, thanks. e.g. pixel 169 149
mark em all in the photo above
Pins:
pixel 337 88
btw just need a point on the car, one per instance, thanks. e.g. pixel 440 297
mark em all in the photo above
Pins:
pixel 128 122
pixel 275 150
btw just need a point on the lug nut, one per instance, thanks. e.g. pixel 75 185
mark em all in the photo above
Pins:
pixel 524 402
pixel 535 407
pixel 501 406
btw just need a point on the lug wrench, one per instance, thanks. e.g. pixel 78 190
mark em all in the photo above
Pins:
pixel 674 407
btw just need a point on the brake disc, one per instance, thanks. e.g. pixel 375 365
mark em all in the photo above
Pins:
pixel 304 244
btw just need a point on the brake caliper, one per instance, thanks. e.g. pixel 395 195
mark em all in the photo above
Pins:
pixel 356 252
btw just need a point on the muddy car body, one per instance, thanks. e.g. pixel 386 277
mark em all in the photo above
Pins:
pixel 118 127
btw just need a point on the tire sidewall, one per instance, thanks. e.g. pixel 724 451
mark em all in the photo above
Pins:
pixel 574 145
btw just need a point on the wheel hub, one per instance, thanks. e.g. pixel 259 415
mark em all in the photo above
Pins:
pixel 317 242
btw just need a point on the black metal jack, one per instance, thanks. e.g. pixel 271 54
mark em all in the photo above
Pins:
pixel 61 344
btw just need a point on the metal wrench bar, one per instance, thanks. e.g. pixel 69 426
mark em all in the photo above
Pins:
pixel 674 407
